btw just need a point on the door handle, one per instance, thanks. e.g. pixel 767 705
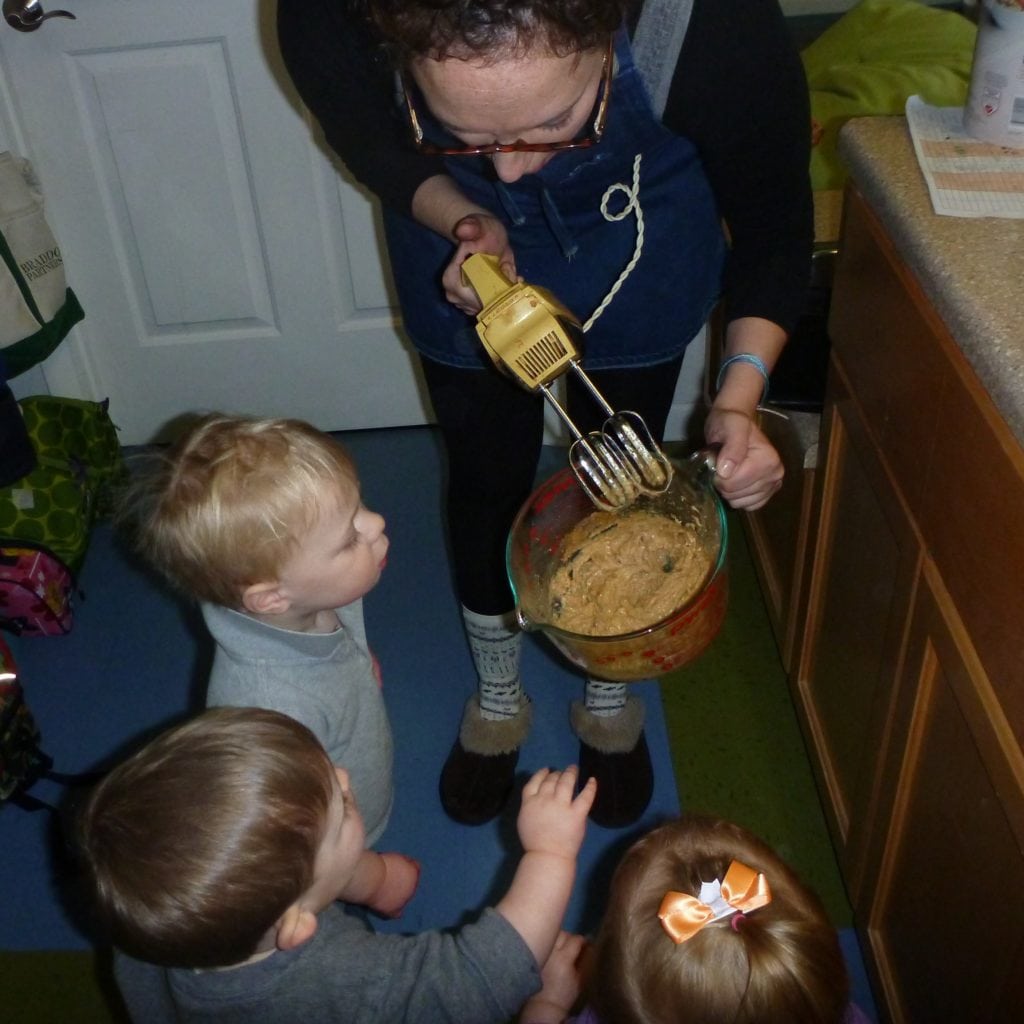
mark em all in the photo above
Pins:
pixel 28 15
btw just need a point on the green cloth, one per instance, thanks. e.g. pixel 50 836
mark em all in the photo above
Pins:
pixel 735 741
pixel 872 59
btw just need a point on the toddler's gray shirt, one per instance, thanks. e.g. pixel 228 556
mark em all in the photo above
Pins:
pixel 323 680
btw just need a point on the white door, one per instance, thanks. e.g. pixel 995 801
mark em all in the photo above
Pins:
pixel 221 259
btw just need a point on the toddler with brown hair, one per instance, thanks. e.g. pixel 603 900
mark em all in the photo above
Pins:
pixel 220 858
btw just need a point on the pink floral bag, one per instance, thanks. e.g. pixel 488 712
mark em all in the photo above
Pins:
pixel 36 590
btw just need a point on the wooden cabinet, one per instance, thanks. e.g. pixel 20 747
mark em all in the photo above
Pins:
pixel 909 669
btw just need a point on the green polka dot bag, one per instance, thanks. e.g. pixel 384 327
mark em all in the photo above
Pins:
pixel 79 466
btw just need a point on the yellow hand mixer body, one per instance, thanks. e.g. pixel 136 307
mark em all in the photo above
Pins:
pixel 529 334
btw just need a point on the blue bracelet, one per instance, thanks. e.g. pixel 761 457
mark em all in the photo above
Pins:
pixel 745 357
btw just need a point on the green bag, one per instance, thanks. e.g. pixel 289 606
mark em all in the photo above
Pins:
pixel 79 433
pixel 80 465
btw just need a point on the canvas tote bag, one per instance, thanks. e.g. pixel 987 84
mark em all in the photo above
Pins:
pixel 37 308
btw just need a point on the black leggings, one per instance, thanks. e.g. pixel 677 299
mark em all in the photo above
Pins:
pixel 493 431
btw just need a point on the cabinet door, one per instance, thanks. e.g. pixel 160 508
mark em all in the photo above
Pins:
pixel 945 912
pixel 864 565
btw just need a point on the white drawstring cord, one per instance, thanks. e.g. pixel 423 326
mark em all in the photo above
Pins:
pixel 633 205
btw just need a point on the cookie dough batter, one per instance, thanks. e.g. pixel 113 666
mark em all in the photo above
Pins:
pixel 624 571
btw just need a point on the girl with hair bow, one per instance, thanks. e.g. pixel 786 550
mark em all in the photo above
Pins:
pixel 705 923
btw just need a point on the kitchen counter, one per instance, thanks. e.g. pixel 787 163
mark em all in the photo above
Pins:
pixel 907 659
pixel 971 269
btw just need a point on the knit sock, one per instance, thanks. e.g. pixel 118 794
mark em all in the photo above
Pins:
pixel 604 699
pixel 495 643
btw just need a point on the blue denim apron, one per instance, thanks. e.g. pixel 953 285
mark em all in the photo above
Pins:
pixel 563 241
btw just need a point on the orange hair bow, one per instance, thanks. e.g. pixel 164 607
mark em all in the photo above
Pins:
pixel 743 889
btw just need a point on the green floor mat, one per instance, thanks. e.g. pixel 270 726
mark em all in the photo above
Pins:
pixel 59 987
pixel 737 749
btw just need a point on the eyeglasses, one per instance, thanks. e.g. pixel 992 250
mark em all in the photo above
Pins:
pixel 519 146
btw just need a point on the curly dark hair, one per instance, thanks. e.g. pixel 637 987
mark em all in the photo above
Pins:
pixel 469 28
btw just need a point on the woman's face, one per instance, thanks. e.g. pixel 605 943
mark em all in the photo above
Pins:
pixel 535 97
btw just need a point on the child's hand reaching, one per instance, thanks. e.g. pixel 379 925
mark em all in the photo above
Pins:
pixel 560 983
pixel 401 876
pixel 552 823
pixel 551 819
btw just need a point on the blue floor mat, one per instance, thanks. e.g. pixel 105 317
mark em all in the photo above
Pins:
pixel 137 660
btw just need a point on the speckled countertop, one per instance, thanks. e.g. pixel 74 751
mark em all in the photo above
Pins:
pixel 971 268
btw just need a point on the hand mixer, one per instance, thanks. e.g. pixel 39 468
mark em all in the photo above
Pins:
pixel 529 334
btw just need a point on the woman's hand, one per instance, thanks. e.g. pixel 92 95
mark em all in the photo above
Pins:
pixel 440 205
pixel 748 468
pixel 476 232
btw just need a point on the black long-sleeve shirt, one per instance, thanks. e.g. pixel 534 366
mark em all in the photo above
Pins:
pixel 738 93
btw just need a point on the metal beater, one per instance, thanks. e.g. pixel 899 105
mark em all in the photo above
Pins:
pixel 528 333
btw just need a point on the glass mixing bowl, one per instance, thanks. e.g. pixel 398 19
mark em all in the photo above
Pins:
pixel 534 551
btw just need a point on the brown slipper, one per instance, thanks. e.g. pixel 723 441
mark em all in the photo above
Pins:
pixel 625 783
pixel 613 750
pixel 479 774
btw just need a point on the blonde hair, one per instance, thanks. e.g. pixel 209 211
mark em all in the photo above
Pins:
pixel 781 963
pixel 229 502
pixel 195 846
